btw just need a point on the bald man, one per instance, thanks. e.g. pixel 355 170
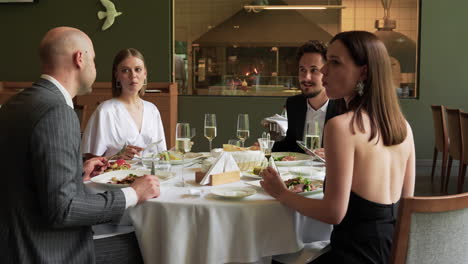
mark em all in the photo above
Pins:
pixel 46 213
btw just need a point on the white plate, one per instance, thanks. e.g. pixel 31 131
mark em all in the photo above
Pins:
pixel 188 157
pixel 251 175
pixel 233 192
pixel 301 158
pixel 310 172
pixel 257 184
pixel 105 178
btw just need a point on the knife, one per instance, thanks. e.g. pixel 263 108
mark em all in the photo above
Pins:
pixel 153 169
pixel 308 151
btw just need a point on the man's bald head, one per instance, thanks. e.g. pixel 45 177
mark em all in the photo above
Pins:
pixel 67 54
pixel 58 46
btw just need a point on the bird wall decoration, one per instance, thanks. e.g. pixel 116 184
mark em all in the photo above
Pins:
pixel 110 14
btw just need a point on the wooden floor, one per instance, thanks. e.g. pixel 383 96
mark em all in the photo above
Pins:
pixel 423 186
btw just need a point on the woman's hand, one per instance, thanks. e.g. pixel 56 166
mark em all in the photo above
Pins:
pixel 130 151
pixel 272 182
pixel 320 152
pixel 93 167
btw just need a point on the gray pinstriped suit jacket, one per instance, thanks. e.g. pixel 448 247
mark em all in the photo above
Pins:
pixel 46 212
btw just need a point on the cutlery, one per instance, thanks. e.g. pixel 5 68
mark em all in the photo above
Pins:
pixel 118 153
pixel 153 169
pixel 308 151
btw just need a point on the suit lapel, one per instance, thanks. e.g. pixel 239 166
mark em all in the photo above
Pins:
pixel 302 111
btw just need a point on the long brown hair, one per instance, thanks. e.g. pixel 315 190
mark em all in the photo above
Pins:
pixel 379 99
pixel 122 55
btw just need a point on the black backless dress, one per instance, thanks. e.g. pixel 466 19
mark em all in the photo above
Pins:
pixel 364 236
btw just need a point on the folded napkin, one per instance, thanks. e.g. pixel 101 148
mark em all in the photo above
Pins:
pixel 281 121
pixel 224 163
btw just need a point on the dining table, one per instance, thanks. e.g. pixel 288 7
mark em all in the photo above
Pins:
pixel 191 224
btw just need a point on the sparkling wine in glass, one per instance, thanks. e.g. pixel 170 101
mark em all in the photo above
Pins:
pixel 210 128
pixel 312 136
pixel 183 143
pixel 243 131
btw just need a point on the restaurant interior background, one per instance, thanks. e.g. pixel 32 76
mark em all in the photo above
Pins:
pixel 148 26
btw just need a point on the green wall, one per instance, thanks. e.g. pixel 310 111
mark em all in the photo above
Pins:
pixel 443 67
pixel 144 25
pixel 443 80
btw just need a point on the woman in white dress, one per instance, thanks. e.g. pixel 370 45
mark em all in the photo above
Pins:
pixel 125 119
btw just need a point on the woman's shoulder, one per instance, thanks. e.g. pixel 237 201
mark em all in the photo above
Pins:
pixel 150 105
pixel 111 103
pixel 341 120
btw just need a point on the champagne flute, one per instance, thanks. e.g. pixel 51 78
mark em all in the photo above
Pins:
pixel 210 128
pixel 183 143
pixel 243 128
pixel 312 135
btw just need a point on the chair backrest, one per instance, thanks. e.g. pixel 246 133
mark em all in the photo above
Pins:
pixel 440 129
pixel 454 133
pixel 81 112
pixel 432 230
pixel 464 135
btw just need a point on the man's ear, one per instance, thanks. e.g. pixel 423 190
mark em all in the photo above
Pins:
pixel 78 59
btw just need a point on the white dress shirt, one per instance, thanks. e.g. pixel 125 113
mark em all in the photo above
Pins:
pixel 318 115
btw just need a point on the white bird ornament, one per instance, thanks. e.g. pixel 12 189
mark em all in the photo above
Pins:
pixel 110 14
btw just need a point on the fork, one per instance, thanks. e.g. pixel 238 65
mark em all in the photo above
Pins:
pixel 118 153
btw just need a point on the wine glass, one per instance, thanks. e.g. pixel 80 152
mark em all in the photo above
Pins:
pixel 266 146
pixel 183 144
pixel 150 154
pixel 243 128
pixel 312 135
pixel 210 128
pixel 234 142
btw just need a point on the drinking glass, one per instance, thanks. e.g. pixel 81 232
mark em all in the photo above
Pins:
pixel 150 154
pixel 210 128
pixel 312 135
pixel 183 143
pixel 243 128
pixel 265 146
pixel 234 142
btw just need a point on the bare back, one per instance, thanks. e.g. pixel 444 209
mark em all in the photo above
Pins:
pixel 375 172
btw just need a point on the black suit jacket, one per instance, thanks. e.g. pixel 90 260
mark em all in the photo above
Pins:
pixel 296 106
pixel 47 213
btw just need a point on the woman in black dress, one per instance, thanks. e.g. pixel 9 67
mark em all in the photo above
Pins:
pixel 370 154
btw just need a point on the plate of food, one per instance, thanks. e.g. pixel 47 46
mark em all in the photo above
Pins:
pixel 255 173
pixel 233 192
pixel 290 158
pixel 299 185
pixel 117 165
pixel 123 178
pixel 177 158
pixel 304 186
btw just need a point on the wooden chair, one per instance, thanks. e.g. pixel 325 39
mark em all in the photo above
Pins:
pixel 432 230
pixel 456 143
pixel 81 112
pixel 440 142
pixel 464 162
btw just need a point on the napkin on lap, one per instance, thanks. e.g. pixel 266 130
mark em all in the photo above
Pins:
pixel 281 121
pixel 224 163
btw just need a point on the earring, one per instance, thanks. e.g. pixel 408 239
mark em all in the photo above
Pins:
pixel 118 85
pixel 145 82
pixel 360 88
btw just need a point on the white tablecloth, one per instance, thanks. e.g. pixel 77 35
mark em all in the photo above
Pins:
pixel 181 228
